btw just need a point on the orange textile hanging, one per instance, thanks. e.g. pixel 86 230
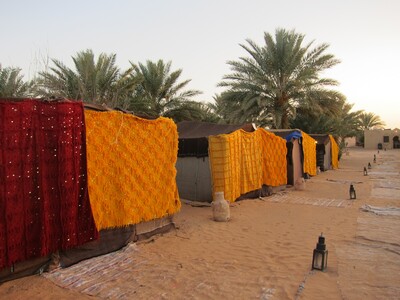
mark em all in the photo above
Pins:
pixel 335 153
pixel 310 154
pixel 236 163
pixel 131 168
pixel 274 151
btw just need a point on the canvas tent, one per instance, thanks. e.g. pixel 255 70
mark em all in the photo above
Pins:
pixel 193 165
pixel 334 152
pixel 295 155
pixel 45 206
pixel 129 161
pixel 310 154
pixel 327 151
pixel 244 164
pixel 301 154
pixel 225 158
pixel 323 149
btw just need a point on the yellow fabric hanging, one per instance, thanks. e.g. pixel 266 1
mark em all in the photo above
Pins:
pixel 310 154
pixel 243 161
pixel 334 152
pixel 274 153
pixel 235 161
pixel 131 168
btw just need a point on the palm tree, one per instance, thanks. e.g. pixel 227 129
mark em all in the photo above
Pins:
pixel 92 81
pixel 313 123
pixel 210 112
pixel 276 79
pixel 160 93
pixel 12 83
pixel 193 110
pixel 223 112
pixel 342 124
pixel 369 121
pixel 319 118
pixel 346 123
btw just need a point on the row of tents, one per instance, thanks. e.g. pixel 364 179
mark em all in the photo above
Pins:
pixel 209 153
pixel 78 182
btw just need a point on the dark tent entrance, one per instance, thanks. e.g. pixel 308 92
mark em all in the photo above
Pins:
pixel 323 149
pixel 396 142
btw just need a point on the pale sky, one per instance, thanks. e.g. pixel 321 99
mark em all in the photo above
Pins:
pixel 201 36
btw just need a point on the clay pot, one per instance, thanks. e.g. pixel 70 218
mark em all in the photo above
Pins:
pixel 300 184
pixel 220 208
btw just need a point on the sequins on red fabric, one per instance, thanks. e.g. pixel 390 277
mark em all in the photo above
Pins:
pixel 44 200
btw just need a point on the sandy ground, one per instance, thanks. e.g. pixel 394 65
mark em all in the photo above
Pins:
pixel 265 250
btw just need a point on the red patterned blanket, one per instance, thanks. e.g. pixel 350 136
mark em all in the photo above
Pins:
pixel 44 201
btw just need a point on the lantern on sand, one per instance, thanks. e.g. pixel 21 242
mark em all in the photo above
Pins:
pixel 320 255
pixel 352 192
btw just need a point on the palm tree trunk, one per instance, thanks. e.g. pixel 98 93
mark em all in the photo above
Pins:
pixel 282 111
pixel 285 121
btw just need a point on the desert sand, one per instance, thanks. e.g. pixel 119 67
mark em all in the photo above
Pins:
pixel 263 252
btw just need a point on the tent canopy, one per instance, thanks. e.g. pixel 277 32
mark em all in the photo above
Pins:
pixel 195 129
pixel 287 134
pixel 193 136
pixel 322 139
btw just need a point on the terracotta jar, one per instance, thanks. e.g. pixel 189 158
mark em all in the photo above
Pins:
pixel 300 184
pixel 220 208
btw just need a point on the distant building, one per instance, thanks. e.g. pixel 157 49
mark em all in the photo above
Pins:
pixel 382 139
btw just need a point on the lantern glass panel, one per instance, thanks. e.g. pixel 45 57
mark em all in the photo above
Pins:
pixel 318 260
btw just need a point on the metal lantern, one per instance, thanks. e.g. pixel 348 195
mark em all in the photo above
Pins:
pixel 320 255
pixel 365 171
pixel 369 166
pixel 352 192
